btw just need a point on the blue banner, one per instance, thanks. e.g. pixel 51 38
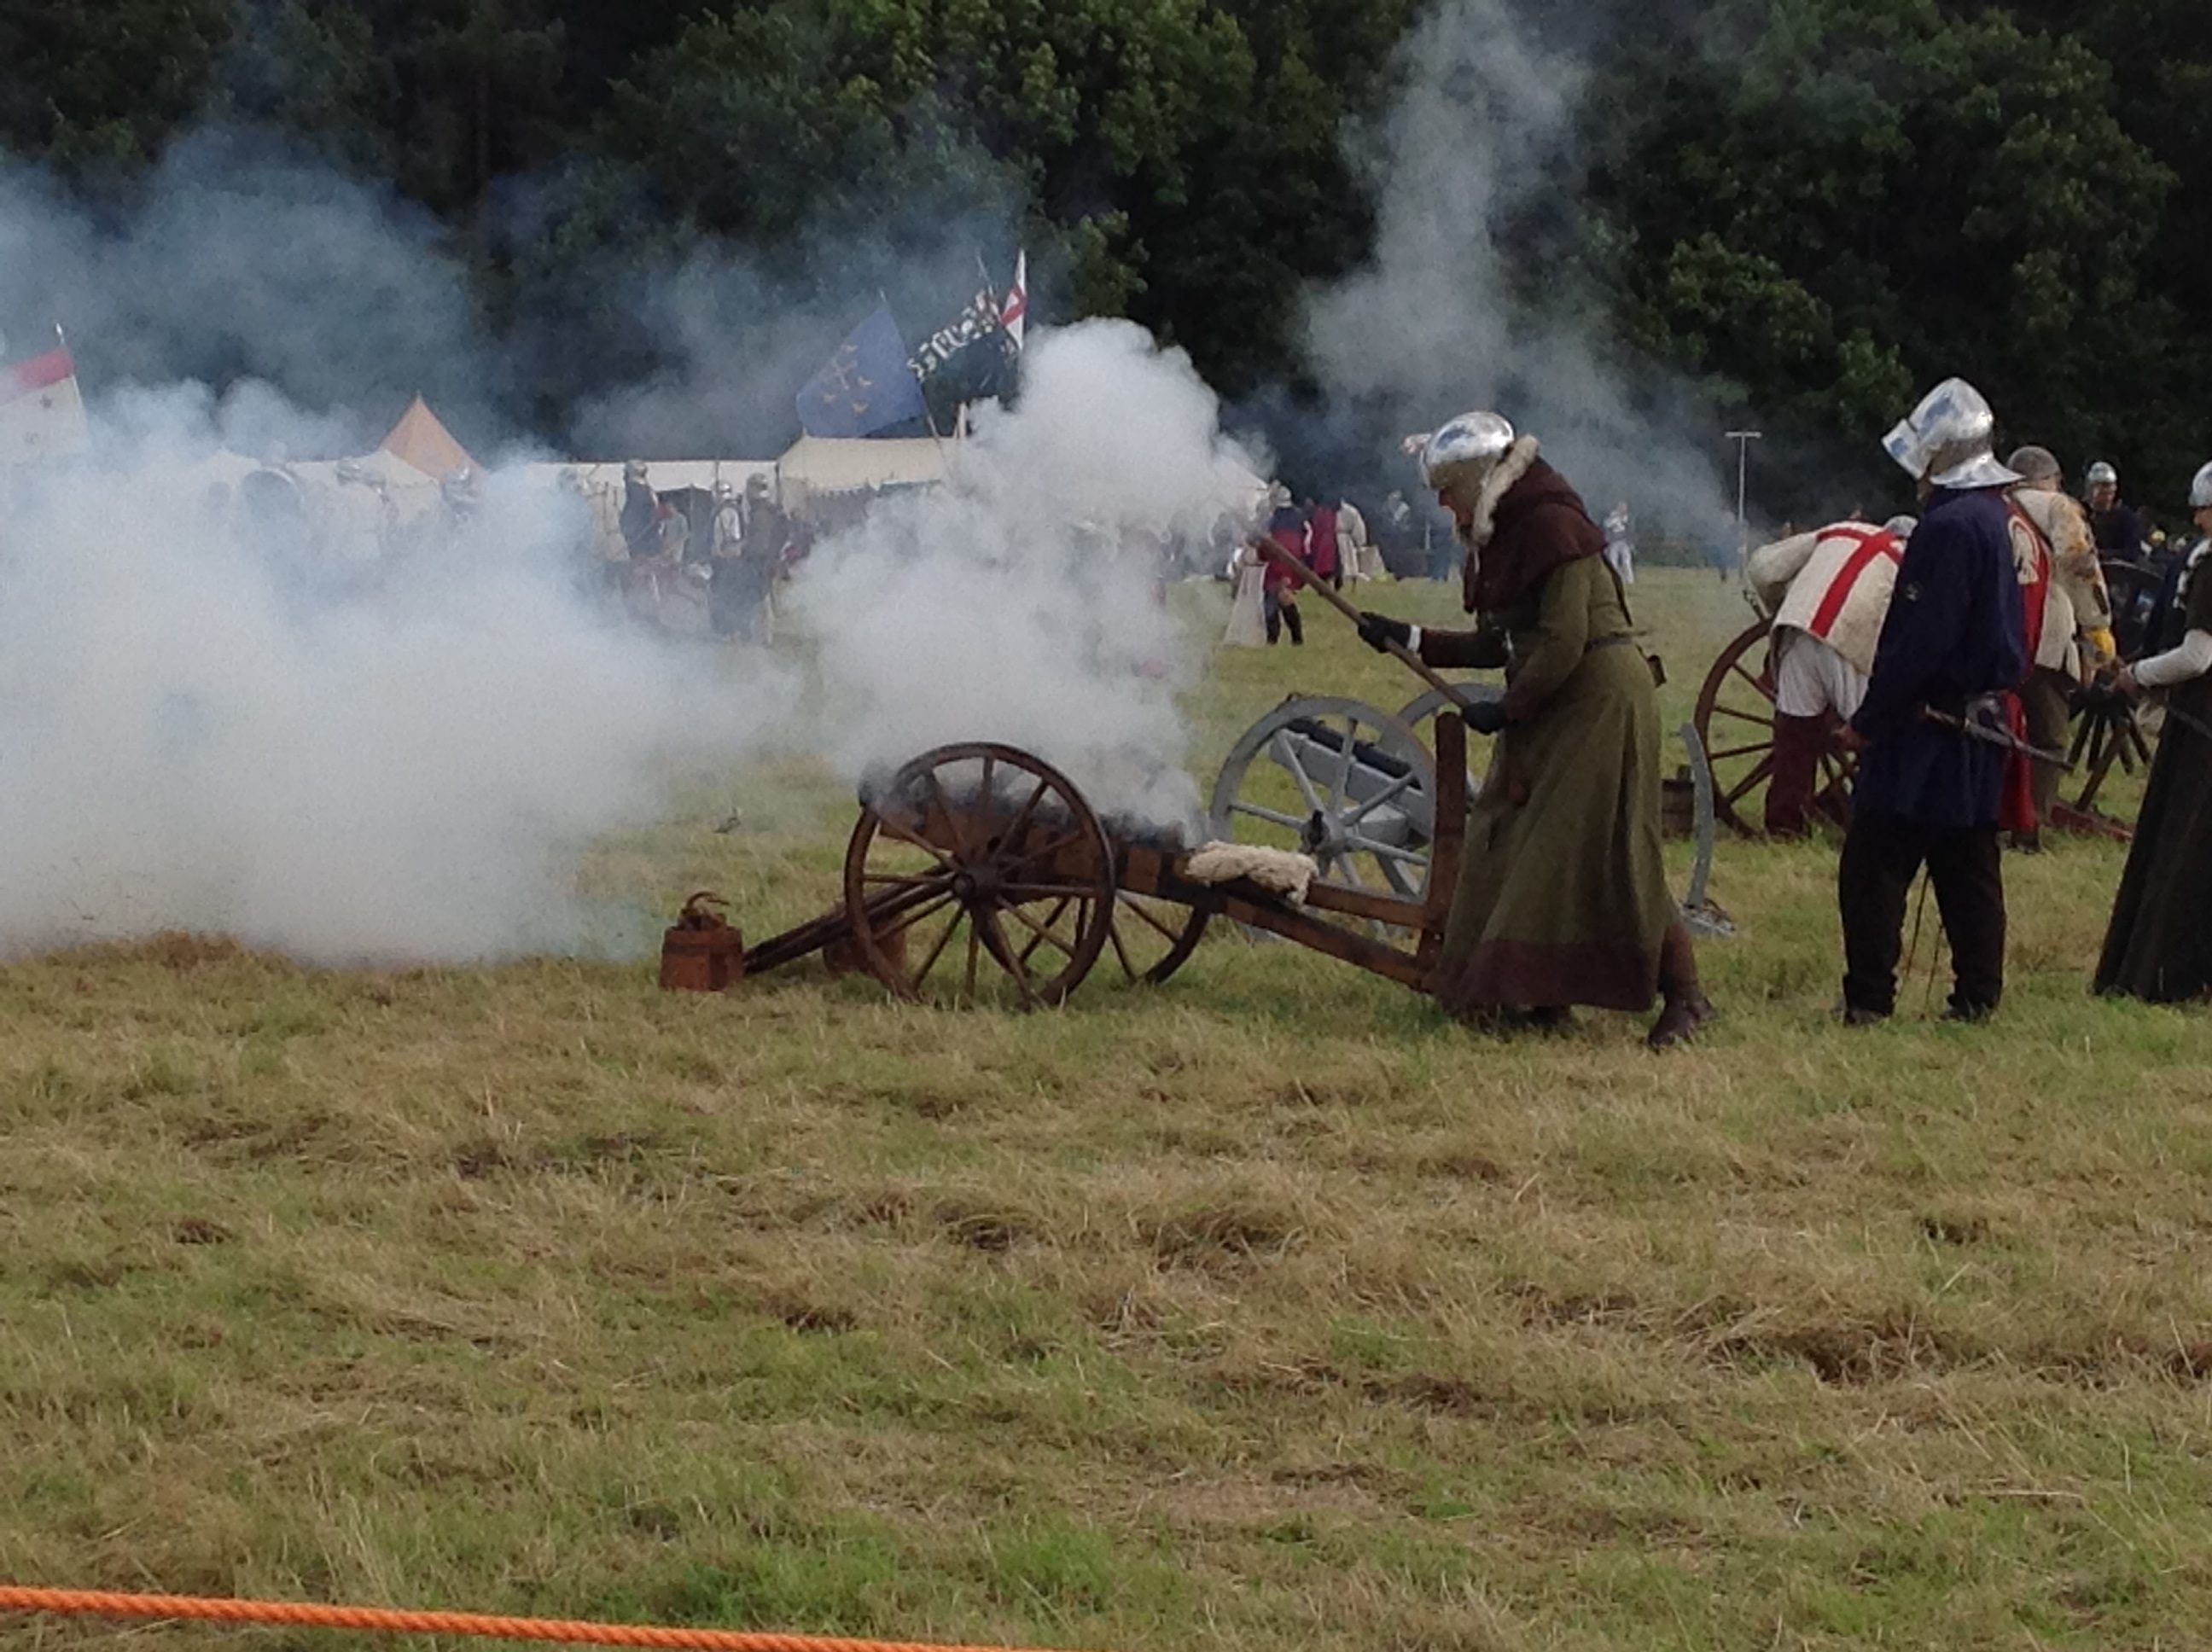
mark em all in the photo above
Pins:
pixel 866 386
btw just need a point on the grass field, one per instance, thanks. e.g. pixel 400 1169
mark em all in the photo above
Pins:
pixel 1264 1311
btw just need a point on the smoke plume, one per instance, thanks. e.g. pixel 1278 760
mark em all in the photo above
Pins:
pixel 1022 602
pixel 1471 298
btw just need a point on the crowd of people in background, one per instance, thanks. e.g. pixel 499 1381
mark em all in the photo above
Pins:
pixel 696 560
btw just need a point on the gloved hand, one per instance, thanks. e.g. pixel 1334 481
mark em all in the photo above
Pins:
pixel 1484 716
pixel 1379 631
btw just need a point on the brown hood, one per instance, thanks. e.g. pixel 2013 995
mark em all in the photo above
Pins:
pixel 1540 523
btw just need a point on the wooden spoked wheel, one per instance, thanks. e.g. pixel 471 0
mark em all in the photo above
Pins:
pixel 1735 717
pixel 977 875
pixel 1340 780
pixel 1152 938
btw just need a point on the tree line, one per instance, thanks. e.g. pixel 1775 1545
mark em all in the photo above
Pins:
pixel 1810 209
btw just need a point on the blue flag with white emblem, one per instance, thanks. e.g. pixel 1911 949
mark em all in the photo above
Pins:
pixel 866 386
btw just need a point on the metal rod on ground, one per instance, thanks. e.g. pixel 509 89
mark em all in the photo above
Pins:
pixel 1405 656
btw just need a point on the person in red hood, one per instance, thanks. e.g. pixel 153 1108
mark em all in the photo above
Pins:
pixel 1562 896
pixel 1287 528
pixel 1321 545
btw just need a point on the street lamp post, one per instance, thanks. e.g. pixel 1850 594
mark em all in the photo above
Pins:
pixel 1743 439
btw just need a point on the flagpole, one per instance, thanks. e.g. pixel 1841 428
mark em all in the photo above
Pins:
pixel 927 417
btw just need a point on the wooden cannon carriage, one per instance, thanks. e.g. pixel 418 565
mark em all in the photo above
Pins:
pixel 978 873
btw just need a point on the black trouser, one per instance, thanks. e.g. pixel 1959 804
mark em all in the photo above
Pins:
pixel 1279 614
pixel 1882 854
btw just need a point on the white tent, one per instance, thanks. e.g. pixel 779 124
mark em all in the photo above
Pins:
pixel 821 465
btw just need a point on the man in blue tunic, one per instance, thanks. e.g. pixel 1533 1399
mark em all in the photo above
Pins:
pixel 1926 794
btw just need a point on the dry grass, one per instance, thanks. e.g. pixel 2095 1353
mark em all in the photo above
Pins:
pixel 1263 1311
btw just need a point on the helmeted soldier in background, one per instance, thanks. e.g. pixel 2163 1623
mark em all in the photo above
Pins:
pixel 2073 635
pixel 1927 794
pixel 641 513
pixel 2119 530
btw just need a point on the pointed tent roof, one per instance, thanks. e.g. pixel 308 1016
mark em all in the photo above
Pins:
pixel 421 440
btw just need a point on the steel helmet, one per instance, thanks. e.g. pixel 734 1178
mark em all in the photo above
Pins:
pixel 1466 450
pixel 2102 475
pixel 1950 438
pixel 2200 490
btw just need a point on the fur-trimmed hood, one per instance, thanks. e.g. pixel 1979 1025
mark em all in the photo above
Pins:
pixel 1528 519
pixel 1511 466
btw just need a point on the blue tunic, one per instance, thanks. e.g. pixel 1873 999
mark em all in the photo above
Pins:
pixel 1954 632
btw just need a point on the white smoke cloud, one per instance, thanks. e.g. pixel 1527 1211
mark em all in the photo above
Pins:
pixel 1022 603
pixel 219 718
pixel 1467 301
pixel 204 727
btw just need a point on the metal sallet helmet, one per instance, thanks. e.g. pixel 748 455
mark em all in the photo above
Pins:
pixel 1467 450
pixel 1949 439
pixel 2200 490
pixel 2102 475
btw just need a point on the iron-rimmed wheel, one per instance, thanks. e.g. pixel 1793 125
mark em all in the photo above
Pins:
pixel 1735 717
pixel 1344 783
pixel 977 853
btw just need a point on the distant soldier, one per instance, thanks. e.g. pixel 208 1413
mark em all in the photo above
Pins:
pixel 1927 794
pixel 2073 634
pixel 641 513
pixel 2119 530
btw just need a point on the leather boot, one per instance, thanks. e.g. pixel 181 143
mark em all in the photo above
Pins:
pixel 1798 744
pixel 1685 1009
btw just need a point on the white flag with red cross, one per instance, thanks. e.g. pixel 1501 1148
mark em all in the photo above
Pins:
pixel 41 412
pixel 1014 309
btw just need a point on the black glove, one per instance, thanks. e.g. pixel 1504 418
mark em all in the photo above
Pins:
pixel 1379 631
pixel 1484 716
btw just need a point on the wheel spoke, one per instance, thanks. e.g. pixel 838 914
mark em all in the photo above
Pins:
pixel 1138 907
pixel 1398 788
pixel 975 945
pixel 905 920
pixel 1049 921
pixel 1274 817
pixel 1005 954
pixel 1738 751
pixel 1342 784
pixel 1031 857
pixel 1744 785
pixel 952 824
pixel 1043 932
pixel 1397 880
pixel 938 950
pixel 1287 755
pixel 1757 687
pixel 892 828
pixel 1387 851
pixel 1120 951
pixel 904 880
pixel 1743 716
pixel 1021 815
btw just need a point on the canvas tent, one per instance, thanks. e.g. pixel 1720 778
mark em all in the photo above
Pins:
pixel 815 465
pixel 420 441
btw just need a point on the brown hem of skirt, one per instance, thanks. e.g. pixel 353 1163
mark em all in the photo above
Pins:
pixel 1532 976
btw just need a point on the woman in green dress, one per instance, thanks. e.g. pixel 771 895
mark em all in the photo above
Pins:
pixel 1562 896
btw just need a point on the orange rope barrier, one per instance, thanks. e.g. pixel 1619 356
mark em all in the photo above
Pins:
pixel 97 1603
